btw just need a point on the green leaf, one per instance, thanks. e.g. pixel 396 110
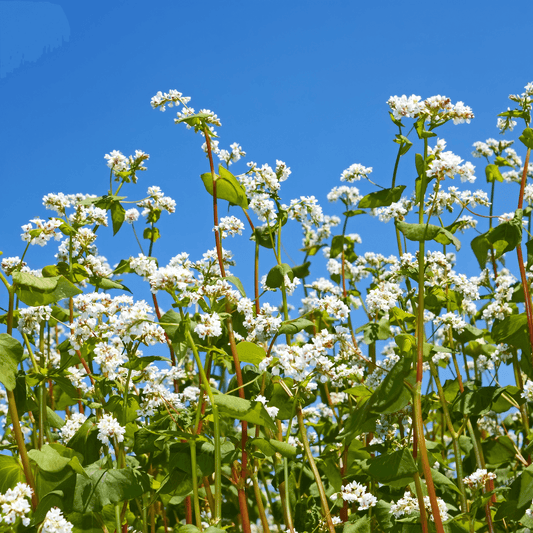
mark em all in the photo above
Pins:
pixel 270 447
pixel 264 236
pixel 492 172
pixel 11 473
pixel 36 291
pixel 253 412
pixel 151 234
pixel 228 187
pixel 374 331
pixel 275 278
pixel 393 466
pixel 518 498
pixel 301 271
pixel 512 330
pixel 11 352
pixel 250 353
pixel 353 212
pixel 527 137
pixel 404 142
pixel 507 235
pixel 381 198
pixel 428 232
pixel 117 216
pixel 104 487
pixel 107 284
pixel 481 246
pixel 421 130
pixel 238 283
pixel 337 245
pixel 54 419
pixel 49 459
pixel 291 327
pixel 498 451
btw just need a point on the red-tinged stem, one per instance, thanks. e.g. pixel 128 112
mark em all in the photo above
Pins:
pixel 527 295
pixel 244 425
pixel 188 510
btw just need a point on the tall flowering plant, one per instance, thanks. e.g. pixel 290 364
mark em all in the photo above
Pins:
pixel 282 401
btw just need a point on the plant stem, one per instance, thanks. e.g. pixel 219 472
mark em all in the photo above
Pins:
pixel 192 444
pixel 216 431
pixel 316 473
pixel 454 435
pixel 13 413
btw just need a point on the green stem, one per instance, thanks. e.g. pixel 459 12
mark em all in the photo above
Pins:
pixel 13 413
pixel 216 430
pixel 454 435
pixel 316 473
pixel 192 444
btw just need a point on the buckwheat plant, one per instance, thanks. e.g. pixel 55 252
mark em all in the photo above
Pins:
pixel 347 391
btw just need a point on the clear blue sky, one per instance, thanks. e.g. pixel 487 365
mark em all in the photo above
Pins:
pixel 301 81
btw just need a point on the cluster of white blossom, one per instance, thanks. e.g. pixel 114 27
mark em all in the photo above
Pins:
pixel 527 393
pixel 436 109
pixel 156 201
pixel 396 210
pixel 348 195
pixel 409 505
pixel 355 172
pixel 448 164
pixel 229 227
pixel 72 424
pixel 479 478
pixel 55 522
pixel 156 391
pixel 119 163
pixel 305 207
pixel 209 326
pixel 31 318
pixel 383 298
pixel 264 325
pixel 172 98
pixel 43 231
pixel 109 429
pixel 14 504
pixel 500 306
pixel 356 493
pixel 226 156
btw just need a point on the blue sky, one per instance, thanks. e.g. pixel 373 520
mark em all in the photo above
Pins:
pixel 301 81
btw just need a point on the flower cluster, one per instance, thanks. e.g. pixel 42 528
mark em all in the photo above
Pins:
pixel 14 504
pixel 355 492
pixel 479 478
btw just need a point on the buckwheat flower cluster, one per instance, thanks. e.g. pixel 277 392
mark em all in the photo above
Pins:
pixel 356 493
pixel 383 297
pixel 109 428
pixel 397 210
pixel 334 306
pixel 500 307
pixel 409 505
pixel 72 424
pixel 449 164
pixel 143 266
pixel 225 155
pixel 355 172
pixel 55 522
pixel 482 149
pixel 209 326
pixel 13 264
pixel 348 195
pixel 14 504
pixel 306 207
pixel 43 231
pixel 32 317
pixel 451 320
pixel 157 391
pixel 229 227
pixel 131 215
pixel 479 478
pixel 507 123
pixel 156 202
pixel 88 214
pixel 264 325
pixel 172 98
pixel 117 161
pixel 436 109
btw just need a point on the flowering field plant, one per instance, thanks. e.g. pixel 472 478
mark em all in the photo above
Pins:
pixel 370 400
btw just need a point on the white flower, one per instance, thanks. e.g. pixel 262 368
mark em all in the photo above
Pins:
pixel 54 522
pixel 355 172
pixel 131 215
pixel 230 226
pixel 479 478
pixel 72 425
pixel 209 326
pixel 109 427
pixel 14 504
